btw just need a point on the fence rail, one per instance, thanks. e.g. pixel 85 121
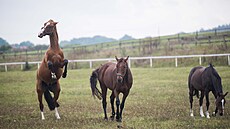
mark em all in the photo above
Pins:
pixel 129 61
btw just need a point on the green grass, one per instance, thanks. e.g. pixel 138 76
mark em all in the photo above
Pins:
pixel 158 99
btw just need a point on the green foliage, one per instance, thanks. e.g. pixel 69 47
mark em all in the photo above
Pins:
pixel 3 42
pixel 5 48
pixel 158 99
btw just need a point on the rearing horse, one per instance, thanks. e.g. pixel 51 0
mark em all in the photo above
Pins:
pixel 50 70
pixel 116 77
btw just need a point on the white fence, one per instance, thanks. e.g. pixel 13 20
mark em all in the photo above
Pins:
pixel 129 61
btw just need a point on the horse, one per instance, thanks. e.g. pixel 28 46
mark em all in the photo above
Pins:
pixel 50 70
pixel 206 79
pixel 118 78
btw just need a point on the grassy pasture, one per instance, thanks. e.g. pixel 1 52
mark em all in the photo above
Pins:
pixel 158 99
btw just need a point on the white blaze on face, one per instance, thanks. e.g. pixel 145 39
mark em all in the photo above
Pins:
pixel 222 102
pixel 43 28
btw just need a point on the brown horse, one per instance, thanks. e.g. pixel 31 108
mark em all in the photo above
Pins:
pixel 206 80
pixel 50 70
pixel 118 78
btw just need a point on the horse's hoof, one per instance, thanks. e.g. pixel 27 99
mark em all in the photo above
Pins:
pixel 112 118
pixel 64 75
pixel 213 114
pixel 106 119
pixel 118 120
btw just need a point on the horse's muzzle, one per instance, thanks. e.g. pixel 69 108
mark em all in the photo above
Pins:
pixel 221 114
pixel 119 78
pixel 40 35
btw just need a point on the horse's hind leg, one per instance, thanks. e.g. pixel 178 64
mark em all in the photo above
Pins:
pixel 201 102
pixel 104 92
pixel 112 97
pixel 56 92
pixel 40 91
pixel 191 101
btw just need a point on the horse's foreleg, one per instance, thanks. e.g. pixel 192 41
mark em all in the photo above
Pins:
pixel 216 110
pixel 123 105
pixel 201 102
pixel 50 66
pixel 56 96
pixel 65 70
pixel 112 97
pixel 207 104
pixel 117 104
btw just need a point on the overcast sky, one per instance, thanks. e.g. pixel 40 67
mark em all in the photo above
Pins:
pixel 21 20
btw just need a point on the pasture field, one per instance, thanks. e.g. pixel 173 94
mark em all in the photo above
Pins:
pixel 158 99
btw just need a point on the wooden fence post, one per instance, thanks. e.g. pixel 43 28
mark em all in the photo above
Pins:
pixel 151 62
pixel 6 68
pixel 176 62
pixel 200 60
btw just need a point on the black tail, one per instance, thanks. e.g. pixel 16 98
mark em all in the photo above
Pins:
pixel 93 83
pixel 49 99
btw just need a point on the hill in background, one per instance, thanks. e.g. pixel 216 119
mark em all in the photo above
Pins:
pixel 92 40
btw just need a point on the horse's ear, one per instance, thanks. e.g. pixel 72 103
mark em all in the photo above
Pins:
pixel 225 94
pixel 55 23
pixel 126 58
pixel 116 58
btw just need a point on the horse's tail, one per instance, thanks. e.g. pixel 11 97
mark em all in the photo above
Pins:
pixel 49 99
pixel 196 92
pixel 93 83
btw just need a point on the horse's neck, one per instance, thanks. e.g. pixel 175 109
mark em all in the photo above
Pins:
pixel 54 40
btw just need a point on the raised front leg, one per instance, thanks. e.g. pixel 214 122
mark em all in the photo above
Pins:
pixel 50 66
pixel 65 70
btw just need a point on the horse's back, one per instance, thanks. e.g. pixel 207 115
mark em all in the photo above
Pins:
pixel 106 74
pixel 196 77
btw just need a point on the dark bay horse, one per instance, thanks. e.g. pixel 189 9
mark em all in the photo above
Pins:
pixel 50 70
pixel 206 80
pixel 118 78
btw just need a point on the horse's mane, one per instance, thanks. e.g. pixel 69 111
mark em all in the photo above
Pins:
pixel 217 76
pixel 214 72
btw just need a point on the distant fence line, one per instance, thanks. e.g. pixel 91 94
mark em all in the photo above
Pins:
pixel 151 58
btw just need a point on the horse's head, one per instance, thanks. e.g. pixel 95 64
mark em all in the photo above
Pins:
pixel 47 29
pixel 122 67
pixel 220 102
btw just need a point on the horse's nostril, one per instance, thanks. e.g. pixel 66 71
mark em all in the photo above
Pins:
pixel 221 114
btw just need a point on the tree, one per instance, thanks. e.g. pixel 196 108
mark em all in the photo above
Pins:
pixel 5 48
pixel 3 42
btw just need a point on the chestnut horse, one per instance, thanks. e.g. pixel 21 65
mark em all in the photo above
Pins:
pixel 118 78
pixel 206 80
pixel 50 70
